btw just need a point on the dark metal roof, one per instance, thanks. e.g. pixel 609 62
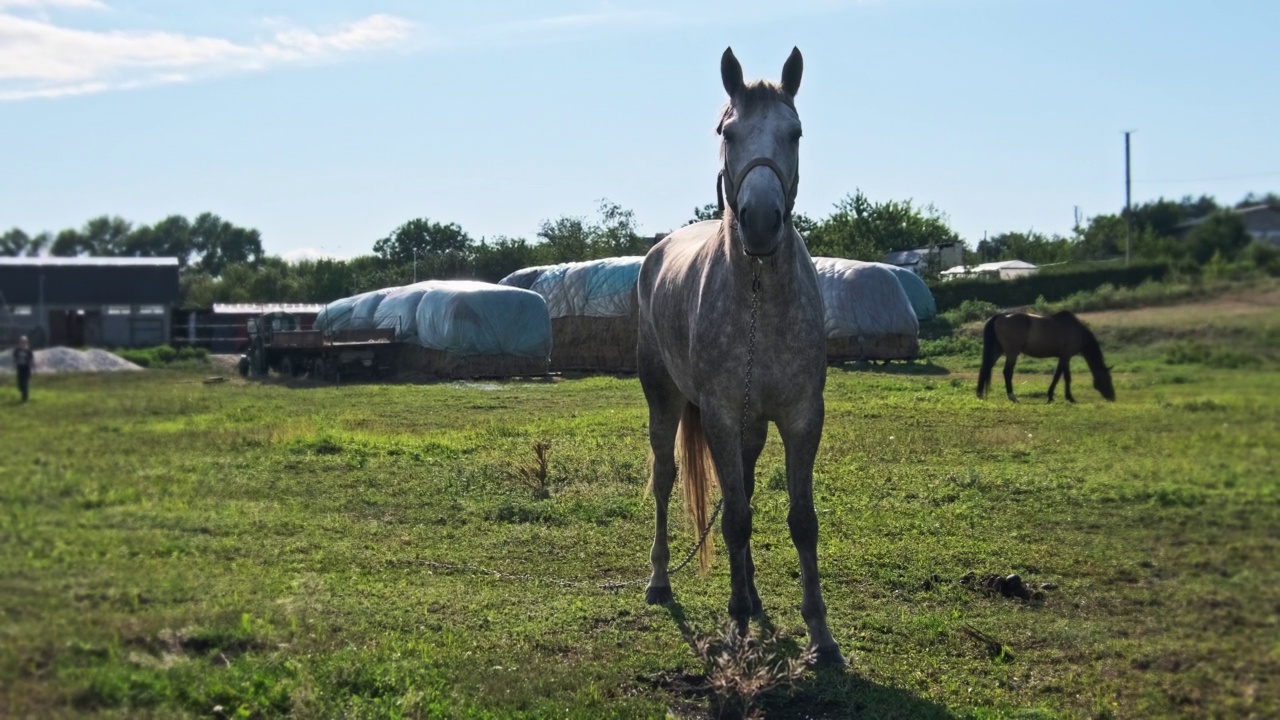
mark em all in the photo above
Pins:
pixel 89 281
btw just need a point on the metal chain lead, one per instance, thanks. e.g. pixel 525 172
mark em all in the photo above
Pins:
pixel 706 532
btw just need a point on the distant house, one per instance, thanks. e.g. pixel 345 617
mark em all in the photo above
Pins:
pixel 88 301
pixel 1260 221
pixel 1002 270
pixel 920 260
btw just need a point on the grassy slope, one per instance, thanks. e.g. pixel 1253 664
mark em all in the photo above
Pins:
pixel 172 548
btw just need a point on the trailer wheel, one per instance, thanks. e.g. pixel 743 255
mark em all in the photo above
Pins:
pixel 286 367
pixel 317 369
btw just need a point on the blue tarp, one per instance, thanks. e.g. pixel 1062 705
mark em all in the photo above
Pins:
pixel 593 288
pixel 917 291
pixel 456 316
pixel 863 300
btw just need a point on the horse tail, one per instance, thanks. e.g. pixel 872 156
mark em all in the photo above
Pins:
pixel 990 352
pixel 697 473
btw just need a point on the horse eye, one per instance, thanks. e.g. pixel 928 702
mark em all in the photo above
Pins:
pixel 795 136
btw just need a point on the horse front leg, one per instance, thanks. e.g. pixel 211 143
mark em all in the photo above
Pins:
pixel 1010 361
pixel 722 434
pixel 1066 380
pixel 754 440
pixel 801 439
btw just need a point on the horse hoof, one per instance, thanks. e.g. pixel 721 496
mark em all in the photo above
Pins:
pixel 828 657
pixel 1013 398
pixel 659 596
pixel 757 607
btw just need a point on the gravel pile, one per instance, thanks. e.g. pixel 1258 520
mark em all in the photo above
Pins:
pixel 62 359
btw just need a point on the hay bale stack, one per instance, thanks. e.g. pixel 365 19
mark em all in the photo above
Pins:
pixel 593 310
pixel 868 315
pixel 453 328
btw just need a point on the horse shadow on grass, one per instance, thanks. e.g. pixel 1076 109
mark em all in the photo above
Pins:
pixel 826 693
pixel 912 367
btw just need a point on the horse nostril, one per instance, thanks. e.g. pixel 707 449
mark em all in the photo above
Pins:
pixel 777 220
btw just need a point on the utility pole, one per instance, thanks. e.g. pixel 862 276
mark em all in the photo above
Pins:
pixel 1128 218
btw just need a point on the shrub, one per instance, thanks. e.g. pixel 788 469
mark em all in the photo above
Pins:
pixel 164 356
pixel 1053 285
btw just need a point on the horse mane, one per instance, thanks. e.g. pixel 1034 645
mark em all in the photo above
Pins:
pixel 1089 347
pixel 755 95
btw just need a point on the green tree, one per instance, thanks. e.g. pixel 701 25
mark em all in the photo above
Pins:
pixel 221 244
pixel 864 230
pixel 1223 234
pixel 492 261
pixel 441 249
pixel 565 239
pixel 171 237
pixel 101 236
pixel 710 211
pixel 15 242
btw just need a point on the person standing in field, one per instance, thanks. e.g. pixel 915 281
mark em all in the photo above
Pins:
pixel 22 362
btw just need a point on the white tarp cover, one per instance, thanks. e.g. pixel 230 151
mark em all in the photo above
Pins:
pixel 457 316
pixel 917 291
pixel 592 288
pixel 863 299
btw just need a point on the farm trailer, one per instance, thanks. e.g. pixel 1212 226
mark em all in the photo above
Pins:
pixel 276 343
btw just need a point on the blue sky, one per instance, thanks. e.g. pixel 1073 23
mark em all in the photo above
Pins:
pixel 326 125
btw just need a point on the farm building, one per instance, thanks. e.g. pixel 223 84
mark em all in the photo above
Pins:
pixel 452 328
pixel 1262 222
pixel 921 260
pixel 88 301
pixel 868 313
pixel 1002 270
pixel 593 311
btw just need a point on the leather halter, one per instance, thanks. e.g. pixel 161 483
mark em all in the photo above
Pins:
pixel 727 186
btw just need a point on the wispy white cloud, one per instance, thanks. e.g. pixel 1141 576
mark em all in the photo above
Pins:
pixel 93 4
pixel 42 59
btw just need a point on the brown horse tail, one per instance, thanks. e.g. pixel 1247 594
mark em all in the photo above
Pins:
pixel 990 353
pixel 697 473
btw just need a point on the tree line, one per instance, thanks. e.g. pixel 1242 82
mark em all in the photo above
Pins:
pixel 222 262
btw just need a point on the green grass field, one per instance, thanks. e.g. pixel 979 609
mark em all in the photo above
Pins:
pixel 171 548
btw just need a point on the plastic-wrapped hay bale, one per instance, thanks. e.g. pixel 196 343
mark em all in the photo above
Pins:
pixel 523 278
pixel 592 305
pixel 868 314
pixel 398 310
pixel 335 316
pixel 592 288
pixel 917 291
pixel 475 318
pixel 366 305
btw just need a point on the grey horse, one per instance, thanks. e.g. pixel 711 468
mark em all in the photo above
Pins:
pixel 731 337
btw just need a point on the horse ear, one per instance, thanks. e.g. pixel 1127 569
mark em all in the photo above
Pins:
pixel 791 72
pixel 731 73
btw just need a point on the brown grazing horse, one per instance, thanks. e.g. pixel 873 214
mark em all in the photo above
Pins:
pixel 1060 335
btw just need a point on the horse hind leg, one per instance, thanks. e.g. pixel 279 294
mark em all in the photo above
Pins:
pixel 1009 362
pixel 666 405
pixel 1066 380
pixel 1057 373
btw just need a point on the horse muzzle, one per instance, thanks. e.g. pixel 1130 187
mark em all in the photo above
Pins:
pixel 760 227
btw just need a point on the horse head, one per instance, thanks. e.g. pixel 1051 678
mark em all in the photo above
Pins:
pixel 760 153
pixel 1102 383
